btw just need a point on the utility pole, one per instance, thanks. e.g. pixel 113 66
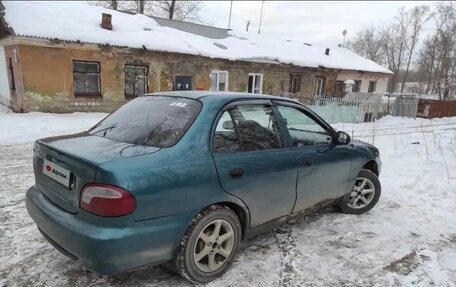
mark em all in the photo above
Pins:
pixel 261 16
pixel 229 20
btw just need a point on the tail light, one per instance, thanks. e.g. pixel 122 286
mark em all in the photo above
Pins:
pixel 107 200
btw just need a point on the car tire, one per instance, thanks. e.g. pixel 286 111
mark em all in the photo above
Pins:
pixel 203 253
pixel 364 195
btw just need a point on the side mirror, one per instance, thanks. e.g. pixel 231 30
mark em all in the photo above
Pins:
pixel 343 138
pixel 228 125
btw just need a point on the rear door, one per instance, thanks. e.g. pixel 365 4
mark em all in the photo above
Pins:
pixel 323 166
pixel 251 161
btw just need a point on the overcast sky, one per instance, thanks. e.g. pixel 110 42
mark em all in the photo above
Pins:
pixel 319 23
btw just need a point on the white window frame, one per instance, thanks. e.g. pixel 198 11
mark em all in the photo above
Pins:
pixel 294 79
pixel 218 72
pixel 253 82
pixel 320 92
pixel 359 87
pixel 374 86
pixel 145 77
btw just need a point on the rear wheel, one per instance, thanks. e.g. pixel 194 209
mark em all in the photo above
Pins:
pixel 210 245
pixel 364 195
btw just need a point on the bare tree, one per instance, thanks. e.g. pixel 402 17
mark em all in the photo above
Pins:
pixel 437 58
pixel 416 18
pixel 141 6
pixel 177 10
pixel 367 43
pixel 395 44
pixel 171 9
pixel 125 6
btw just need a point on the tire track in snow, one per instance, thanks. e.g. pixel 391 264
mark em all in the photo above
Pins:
pixel 286 242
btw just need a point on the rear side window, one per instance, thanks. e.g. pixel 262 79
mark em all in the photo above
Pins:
pixel 225 137
pixel 249 127
pixel 157 121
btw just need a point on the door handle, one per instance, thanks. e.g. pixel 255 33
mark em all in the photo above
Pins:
pixel 237 172
pixel 307 162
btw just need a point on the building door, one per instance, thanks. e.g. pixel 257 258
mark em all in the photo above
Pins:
pixel 183 83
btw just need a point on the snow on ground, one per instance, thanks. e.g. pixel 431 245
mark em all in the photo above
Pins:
pixel 22 128
pixel 409 238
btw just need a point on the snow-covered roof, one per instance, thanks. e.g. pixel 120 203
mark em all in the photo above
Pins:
pixel 79 21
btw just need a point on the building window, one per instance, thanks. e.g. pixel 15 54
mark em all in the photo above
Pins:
pixel 357 86
pixel 219 81
pixel 255 83
pixel 86 77
pixel 372 86
pixel 183 83
pixel 319 88
pixel 340 89
pixel 135 80
pixel 295 84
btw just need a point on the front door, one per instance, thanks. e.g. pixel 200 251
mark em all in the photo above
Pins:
pixel 252 163
pixel 323 166
pixel 183 83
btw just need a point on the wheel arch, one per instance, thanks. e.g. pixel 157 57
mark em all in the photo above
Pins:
pixel 372 166
pixel 240 211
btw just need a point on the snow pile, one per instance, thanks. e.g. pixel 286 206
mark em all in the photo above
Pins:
pixel 408 239
pixel 4 109
pixel 79 21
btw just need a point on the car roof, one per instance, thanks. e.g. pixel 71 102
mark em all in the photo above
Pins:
pixel 224 96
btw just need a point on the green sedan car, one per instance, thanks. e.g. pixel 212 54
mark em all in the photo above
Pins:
pixel 182 178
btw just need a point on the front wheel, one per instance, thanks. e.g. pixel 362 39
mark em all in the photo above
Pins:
pixel 365 194
pixel 210 245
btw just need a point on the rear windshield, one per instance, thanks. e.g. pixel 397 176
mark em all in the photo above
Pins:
pixel 157 121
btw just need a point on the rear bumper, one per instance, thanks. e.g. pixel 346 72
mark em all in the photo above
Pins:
pixel 107 250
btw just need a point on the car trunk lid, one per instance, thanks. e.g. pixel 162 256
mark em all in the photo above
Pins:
pixel 78 157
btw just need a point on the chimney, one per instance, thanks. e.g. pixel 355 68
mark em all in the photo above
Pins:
pixel 327 52
pixel 106 21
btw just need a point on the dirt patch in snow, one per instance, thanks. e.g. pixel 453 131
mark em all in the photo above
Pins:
pixel 406 264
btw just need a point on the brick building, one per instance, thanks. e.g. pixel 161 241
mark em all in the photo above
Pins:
pixel 97 59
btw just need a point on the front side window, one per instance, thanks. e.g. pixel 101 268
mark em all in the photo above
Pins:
pixel 304 130
pixel 319 89
pixel 372 86
pixel 135 80
pixel 86 77
pixel 157 121
pixel 255 83
pixel 219 81
pixel 248 128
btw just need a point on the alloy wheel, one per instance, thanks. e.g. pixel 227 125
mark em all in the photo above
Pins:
pixel 214 245
pixel 362 194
